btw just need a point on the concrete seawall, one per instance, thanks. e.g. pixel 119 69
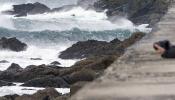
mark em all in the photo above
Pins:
pixel 140 74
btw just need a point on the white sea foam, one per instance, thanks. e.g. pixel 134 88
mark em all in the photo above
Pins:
pixel 20 90
pixel 23 58
pixel 5 21
pixel 88 20
pixel 77 17
pixel 50 3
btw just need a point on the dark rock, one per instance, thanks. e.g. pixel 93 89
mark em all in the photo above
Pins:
pixel 9 97
pixel 14 67
pixel 92 48
pixel 49 81
pixel 92 67
pixel 83 49
pixel 12 44
pixel 116 41
pixel 55 63
pixel 76 87
pixel 35 59
pixel 138 11
pixel 82 75
pixel 30 72
pixel 63 8
pixel 87 70
pixel 10 73
pixel 30 8
pixel 4 61
pixel 28 89
pixel 63 97
pixel 46 94
pixel 4 83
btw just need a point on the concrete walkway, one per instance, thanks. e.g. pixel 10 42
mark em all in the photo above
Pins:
pixel 140 74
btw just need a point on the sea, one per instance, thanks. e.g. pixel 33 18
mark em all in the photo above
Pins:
pixel 50 33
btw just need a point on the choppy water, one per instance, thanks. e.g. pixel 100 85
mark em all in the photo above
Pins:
pixel 50 33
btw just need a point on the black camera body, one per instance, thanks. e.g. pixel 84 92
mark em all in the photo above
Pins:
pixel 164 44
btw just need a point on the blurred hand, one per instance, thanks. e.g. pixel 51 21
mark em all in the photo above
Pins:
pixel 159 50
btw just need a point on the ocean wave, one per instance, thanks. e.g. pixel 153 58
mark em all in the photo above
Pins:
pixel 68 36
pixel 50 3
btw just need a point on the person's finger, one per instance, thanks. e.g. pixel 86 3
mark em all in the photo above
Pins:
pixel 156 45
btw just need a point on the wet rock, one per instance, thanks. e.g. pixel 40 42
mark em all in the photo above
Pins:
pixel 16 74
pixel 82 49
pixel 30 8
pixel 12 44
pixel 55 63
pixel 10 73
pixel 93 48
pixel 14 67
pixel 138 11
pixel 97 64
pixel 92 67
pixel 46 94
pixel 31 72
pixel 9 97
pixel 49 81
pixel 82 75
pixel 76 87
pixel 35 59
pixel 4 61
pixel 4 83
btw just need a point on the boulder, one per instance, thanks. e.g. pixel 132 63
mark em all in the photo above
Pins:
pixel 12 44
pixel 14 67
pixel 83 49
pixel 55 63
pixel 82 75
pixel 48 81
pixel 90 48
pixel 46 94
pixel 32 72
pixel 4 83
pixel 9 97
pixel 4 61
pixel 16 74
pixel 29 8
pixel 35 59
pixel 10 73
pixel 138 11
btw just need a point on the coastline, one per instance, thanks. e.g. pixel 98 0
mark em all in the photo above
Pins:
pixel 135 73
pixel 86 71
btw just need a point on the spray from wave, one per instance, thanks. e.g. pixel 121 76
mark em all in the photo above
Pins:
pixel 54 32
pixel 50 33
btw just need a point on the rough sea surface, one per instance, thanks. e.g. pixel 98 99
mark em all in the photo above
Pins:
pixel 50 33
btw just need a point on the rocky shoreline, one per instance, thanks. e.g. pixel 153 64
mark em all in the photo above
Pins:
pixel 98 55
pixel 138 11
pixel 73 77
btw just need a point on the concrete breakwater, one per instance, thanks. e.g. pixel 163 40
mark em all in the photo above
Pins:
pixel 140 74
